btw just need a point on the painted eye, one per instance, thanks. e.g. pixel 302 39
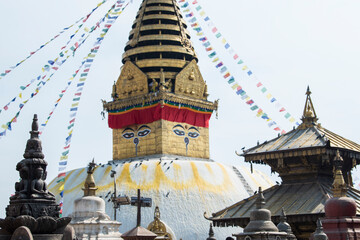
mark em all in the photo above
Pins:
pixel 128 135
pixel 179 132
pixel 193 134
pixel 144 133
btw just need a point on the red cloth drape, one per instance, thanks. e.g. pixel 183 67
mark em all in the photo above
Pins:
pixel 157 112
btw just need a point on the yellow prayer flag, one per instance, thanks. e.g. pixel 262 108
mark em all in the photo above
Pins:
pixel 20 95
pixel 63 157
pixel 292 120
pixel 61 187
pixel 87 29
pixel 216 59
pixel 223 40
pixel 247 99
pixel 268 96
pixel 235 86
pixel 202 13
pixel 74 104
pixel 244 68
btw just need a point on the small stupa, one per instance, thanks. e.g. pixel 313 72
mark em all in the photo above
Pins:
pixel 33 212
pixel 89 218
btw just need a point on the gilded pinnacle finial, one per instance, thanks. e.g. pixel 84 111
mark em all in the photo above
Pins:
pixel 89 185
pixel 339 187
pixel 260 201
pixel 309 117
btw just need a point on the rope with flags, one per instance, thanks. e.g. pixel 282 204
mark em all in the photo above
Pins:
pixel 248 72
pixel 83 19
pixel 50 68
pixel 111 18
pixel 223 69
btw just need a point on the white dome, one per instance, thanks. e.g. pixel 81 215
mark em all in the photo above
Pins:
pixel 183 188
pixel 88 206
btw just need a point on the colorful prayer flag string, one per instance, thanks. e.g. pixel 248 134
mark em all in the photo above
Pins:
pixel 83 19
pixel 220 65
pixel 111 17
pixel 249 73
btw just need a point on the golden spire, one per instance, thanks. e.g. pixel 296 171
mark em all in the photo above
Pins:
pixel 339 187
pixel 89 185
pixel 309 117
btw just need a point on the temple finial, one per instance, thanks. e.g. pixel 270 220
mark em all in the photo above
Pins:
pixel 339 187
pixel 309 117
pixel 319 233
pixel 33 146
pixel 89 185
pixel 211 233
pixel 260 201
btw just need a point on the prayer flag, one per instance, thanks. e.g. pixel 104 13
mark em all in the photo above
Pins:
pixel 236 56
pixel 263 89
pixel 227 46
pixel 219 64
pixel 214 30
pixel 249 73
pixel 253 108
pixel 231 80
pixel 282 110
pixel 61 175
pixel 62 194
pixel 227 75
pixel 277 129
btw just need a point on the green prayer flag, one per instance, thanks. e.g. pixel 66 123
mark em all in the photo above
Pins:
pixel 264 89
pixel 253 108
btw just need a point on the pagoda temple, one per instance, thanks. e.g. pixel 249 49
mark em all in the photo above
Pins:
pixel 304 159
pixel 159 114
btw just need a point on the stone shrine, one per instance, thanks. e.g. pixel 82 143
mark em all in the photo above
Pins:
pixel 33 212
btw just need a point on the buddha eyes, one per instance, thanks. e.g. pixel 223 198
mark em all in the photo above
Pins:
pixel 143 133
pixel 193 134
pixel 179 132
pixel 128 135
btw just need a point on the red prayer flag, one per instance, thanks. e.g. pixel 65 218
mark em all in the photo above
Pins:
pixel 61 175
pixel 227 75
pixel 282 110
pixel 259 84
pixel 7 71
pixel 214 30
pixel 236 56
pixel 277 129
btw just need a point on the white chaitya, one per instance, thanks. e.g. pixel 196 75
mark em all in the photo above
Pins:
pixel 89 218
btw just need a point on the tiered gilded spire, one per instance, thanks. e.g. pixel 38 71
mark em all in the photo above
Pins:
pixel 159 39
pixel 159 55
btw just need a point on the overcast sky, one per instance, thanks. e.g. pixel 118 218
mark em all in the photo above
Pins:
pixel 288 45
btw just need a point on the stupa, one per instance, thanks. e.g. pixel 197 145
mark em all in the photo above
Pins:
pixel 89 218
pixel 304 159
pixel 160 121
